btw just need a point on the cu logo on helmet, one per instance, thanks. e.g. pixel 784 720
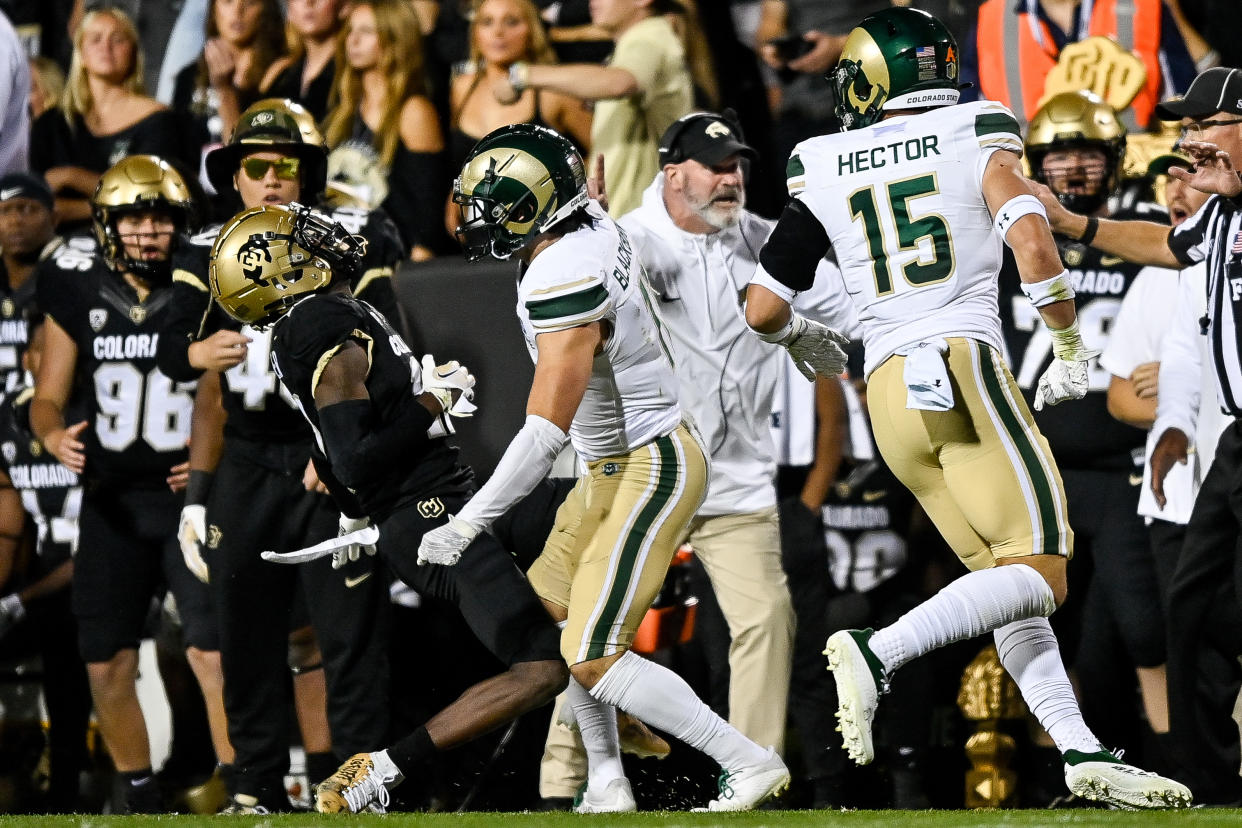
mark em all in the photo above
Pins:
pixel 253 255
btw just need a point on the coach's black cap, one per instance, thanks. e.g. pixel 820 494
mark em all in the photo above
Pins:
pixel 1217 90
pixel 704 137
pixel 25 185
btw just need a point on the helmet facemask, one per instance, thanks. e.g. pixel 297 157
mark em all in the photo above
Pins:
pixel 151 271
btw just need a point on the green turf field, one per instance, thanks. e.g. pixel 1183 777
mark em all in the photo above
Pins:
pixel 756 819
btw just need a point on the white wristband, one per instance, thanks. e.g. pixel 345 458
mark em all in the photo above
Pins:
pixel 785 335
pixel 1056 289
pixel 1014 209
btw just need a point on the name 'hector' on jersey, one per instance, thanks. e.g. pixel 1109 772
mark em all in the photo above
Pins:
pixel 876 157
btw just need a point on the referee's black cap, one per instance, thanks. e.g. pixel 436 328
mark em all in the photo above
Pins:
pixel 1219 89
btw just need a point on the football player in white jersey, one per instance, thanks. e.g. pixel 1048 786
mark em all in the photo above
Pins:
pixel 603 380
pixel 916 197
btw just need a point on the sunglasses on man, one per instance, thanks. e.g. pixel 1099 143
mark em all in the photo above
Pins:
pixel 286 168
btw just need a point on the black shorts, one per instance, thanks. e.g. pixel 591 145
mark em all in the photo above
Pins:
pixel 127 555
pixel 490 592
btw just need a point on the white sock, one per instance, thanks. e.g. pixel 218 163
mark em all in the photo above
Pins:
pixel 662 699
pixel 976 603
pixel 386 769
pixel 597 722
pixel 1029 651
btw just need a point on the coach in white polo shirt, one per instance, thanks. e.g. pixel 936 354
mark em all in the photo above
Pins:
pixel 700 247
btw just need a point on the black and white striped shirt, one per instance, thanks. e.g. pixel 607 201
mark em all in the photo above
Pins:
pixel 1214 235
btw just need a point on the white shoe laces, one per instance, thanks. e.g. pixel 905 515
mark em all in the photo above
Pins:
pixel 360 794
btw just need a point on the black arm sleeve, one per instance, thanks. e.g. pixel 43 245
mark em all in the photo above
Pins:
pixel 795 248
pixel 184 325
pixel 345 500
pixel 358 451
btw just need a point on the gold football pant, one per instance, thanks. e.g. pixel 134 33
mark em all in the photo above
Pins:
pixel 982 471
pixel 613 539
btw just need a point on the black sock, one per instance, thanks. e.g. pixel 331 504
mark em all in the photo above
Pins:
pixel 319 766
pixel 411 750
pixel 138 777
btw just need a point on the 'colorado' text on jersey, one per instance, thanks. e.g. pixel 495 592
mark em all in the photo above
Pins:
pixel 902 202
pixel 139 418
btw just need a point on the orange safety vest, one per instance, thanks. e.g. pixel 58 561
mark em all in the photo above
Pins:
pixel 1013 64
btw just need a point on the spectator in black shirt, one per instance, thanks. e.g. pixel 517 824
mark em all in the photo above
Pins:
pixel 305 75
pixel 383 120
pixel 244 37
pixel 102 117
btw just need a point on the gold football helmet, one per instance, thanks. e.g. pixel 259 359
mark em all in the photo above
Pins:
pixel 260 268
pixel 139 182
pixel 1077 119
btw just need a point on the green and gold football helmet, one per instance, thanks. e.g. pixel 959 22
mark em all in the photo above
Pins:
pixel 1077 119
pixel 138 183
pixel 268 258
pixel 518 181
pixel 899 58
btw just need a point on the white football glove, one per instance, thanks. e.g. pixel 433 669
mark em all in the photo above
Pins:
pixel 444 544
pixel 814 348
pixel 1066 378
pixel 192 534
pixel 344 555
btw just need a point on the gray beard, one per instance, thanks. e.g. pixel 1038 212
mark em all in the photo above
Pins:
pixel 722 218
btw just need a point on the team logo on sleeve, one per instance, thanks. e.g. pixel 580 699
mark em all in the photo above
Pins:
pixel 9 449
pixel 98 317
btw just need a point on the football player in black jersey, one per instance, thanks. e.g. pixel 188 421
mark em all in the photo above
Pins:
pixel 250 475
pixel 27 237
pixel 375 413
pixel 105 312
pixel 1076 145
pixel 34 483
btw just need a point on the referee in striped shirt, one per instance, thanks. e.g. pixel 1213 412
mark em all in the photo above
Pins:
pixel 1211 116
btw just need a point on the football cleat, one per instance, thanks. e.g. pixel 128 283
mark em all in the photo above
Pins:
pixel 616 798
pixel 1102 776
pixel 860 680
pixel 747 788
pixel 361 784
pixel 639 740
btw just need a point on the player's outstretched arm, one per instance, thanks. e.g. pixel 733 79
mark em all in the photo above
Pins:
pixel 562 371
pixel 1141 242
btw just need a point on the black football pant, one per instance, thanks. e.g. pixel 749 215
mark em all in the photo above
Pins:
pixel 50 630
pixel 1204 624
pixel 1122 623
pixel 258 503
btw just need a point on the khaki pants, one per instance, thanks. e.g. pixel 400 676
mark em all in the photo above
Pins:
pixel 742 556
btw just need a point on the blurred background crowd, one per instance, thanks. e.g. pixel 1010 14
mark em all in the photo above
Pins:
pixel 400 90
